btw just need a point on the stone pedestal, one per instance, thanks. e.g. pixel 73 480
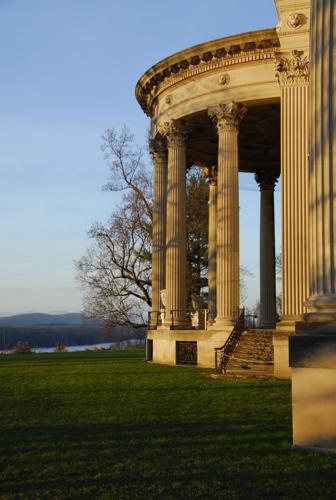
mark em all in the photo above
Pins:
pixel 268 314
pixel 313 349
pixel 176 224
pixel 227 117
pixel 159 154
pixel 312 358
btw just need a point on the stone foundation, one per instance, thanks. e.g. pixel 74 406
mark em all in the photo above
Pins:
pixel 164 344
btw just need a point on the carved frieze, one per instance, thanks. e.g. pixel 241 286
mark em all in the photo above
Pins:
pixel 227 116
pixel 292 70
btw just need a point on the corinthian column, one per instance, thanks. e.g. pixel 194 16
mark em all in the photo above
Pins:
pixel 176 223
pixel 227 117
pixel 292 73
pixel 159 155
pixel 266 181
pixel 212 243
pixel 322 169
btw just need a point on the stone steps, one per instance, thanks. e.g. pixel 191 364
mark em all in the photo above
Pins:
pixel 253 355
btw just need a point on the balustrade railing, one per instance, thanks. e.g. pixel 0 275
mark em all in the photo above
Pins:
pixel 251 321
pixel 179 319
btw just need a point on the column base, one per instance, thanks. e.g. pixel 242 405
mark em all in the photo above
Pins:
pixel 321 303
pixel 287 323
pixel 270 325
pixel 320 316
pixel 223 325
pixel 284 328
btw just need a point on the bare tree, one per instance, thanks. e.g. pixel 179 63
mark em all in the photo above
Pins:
pixel 116 271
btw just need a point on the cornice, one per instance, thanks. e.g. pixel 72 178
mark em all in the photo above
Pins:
pixel 209 56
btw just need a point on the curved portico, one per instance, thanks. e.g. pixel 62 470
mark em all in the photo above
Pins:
pixel 223 106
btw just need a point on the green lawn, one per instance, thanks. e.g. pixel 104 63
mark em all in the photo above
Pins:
pixel 108 425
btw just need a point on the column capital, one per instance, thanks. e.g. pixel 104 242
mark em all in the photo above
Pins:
pixel 157 149
pixel 293 70
pixel 175 132
pixel 266 179
pixel 227 116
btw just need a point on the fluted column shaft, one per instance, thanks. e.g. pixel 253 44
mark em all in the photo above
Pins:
pixel 227 118
pixel 322 167
pixel 176 224
pixel 159 155
pixel 293 78
pixel 212 244
pixel 267 318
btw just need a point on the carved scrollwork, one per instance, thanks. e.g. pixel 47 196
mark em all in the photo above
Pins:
pixel 175 132
pixel 293 69
pixel 157 149
pixel 267 179
pixel 227 116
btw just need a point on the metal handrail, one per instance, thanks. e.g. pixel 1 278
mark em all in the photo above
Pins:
pixel 228 348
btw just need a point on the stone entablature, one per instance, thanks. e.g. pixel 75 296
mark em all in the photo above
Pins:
pixel 247 48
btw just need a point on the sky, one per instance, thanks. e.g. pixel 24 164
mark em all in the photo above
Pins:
pixel 68 72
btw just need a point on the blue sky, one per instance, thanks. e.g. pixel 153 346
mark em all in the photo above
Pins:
pixel 68 71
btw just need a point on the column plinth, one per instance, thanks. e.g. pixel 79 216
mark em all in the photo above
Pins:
pixel 268 314
pixel 158 152
pixel 227 118
pixel 176 224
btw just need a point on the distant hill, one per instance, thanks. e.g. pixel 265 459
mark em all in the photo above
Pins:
pixel 34 319
pixel 45 330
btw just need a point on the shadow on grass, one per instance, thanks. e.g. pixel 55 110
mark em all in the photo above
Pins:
pixel 160 457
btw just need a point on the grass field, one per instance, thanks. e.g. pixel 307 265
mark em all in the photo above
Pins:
pixel 108 425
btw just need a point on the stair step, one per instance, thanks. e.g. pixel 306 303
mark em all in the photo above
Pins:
pixel 254 345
